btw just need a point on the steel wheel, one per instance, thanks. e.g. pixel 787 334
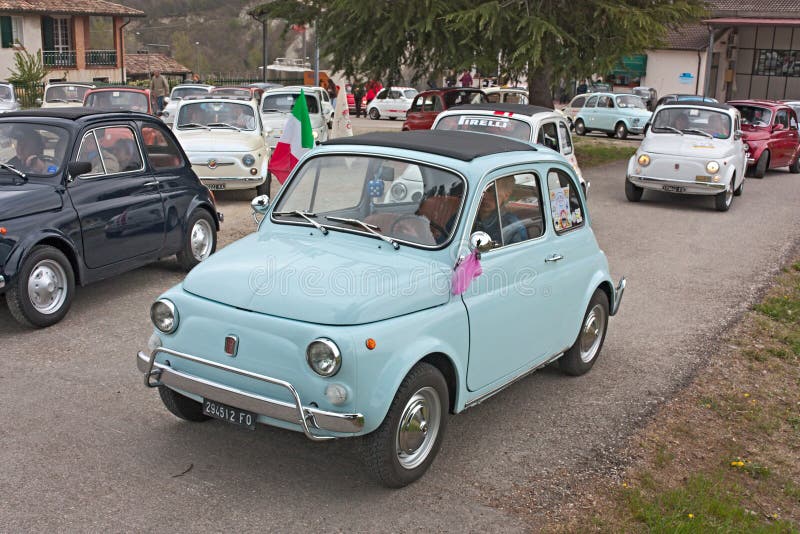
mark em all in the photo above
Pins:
pixel 201 240
pixel 592 333
pixel 418 428
pixel 374 114
pixel 47 287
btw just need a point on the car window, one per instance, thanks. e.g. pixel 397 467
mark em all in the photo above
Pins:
pixel 516 98
pixel 410 93
pixel 161 151
pixel 510 210
pixel 565 203
pixel 629 101
pixel 456 98
pixel 285 102
pixel 89 151
pixel 117 100
pixel 395 94
pixel 65 93
pixel 119 149
pixel 382 94
pixel 417 104
pixel 754 115
pixel 564 138
pixel 437 103
pixel 38 150
pixel 782 117
pixel 792 121
pixel 428 104
pixel 493 98
pixel 505 126
pixel 548 136
pixel 578 102
pixel 592 102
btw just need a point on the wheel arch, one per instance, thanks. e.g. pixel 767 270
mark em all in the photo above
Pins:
pixel 61 243
pixel 445 366
pixel 63 246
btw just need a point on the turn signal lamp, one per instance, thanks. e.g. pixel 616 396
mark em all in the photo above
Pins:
pixel 371 344
pixel 3 230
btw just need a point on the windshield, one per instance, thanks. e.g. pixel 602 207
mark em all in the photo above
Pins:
pixel 630 101
pixel 232 115
pixel 692 120
pixel 284 102
pixel 33 149
pixel 755 116
pixel 6 93
pixel 406 201
pixel 65 93
pixel 183 92
pixel 231 92
pixel 410 93
pixel 118 100
pixel 507 127
pixel 456 98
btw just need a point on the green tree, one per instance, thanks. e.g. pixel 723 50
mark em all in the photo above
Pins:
pixel 28 68
pixel 545 39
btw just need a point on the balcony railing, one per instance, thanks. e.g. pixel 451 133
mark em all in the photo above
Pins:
pixel 56 58
pixel 101 58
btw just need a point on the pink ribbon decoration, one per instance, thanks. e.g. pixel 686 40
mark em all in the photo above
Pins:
pixel 466 271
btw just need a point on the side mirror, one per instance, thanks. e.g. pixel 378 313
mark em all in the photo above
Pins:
pixel 166 100
pixel 737 135
pixel 38 102
pixel 259 205
pixel 76 168
pixel 481 242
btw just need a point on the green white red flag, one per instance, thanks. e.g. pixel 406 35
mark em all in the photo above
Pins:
pixel 297 139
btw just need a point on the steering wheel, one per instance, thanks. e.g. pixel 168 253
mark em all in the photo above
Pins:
pixel 399 220
pixel 437 229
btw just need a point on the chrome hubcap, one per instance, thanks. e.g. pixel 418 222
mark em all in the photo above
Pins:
pixel 592 333
pixel 419 426
pixel 729 194
pixel 47 287
pixel 201 240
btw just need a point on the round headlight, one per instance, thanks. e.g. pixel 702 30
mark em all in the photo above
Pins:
pixel 399 191
pixel 164 315
pixel 323 357
pixel 644 160
pixel 712 167
pixel 315 134
pixel 248 160
pixel 165 113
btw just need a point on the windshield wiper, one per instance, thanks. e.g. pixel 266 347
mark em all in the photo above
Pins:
pixel 668 128
pixel 371 228
pixel 52 100
pixel 307 216
pixel 14 170
pixel 75 100
pixel 193 125
pixel 701 132
pixel 223 125
pixel 272 110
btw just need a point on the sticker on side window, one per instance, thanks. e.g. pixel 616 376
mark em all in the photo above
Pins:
pixel 559 207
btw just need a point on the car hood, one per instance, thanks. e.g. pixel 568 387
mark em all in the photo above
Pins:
pixel 8 105
pixel 685 145
pixel 26 199
pixel 219 140
pixel 338 279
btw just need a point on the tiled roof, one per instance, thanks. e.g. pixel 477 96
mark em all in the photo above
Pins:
pixel 69 7
pixel 139 64
pixel 688 37
pixel 760 8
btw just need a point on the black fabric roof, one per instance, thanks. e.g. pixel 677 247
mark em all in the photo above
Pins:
pixel 521 109
pixel 465 146
pixel 62 113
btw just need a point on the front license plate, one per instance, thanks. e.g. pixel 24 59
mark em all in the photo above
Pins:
pixel 216 187
pixel 673 188
pixel 230 414
pixel 702 178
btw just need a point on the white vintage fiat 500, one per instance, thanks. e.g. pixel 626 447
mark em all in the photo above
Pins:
pixel 692 148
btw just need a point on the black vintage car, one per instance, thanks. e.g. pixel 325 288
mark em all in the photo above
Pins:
pixel 85 195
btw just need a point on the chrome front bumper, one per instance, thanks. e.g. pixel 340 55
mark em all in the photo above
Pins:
pixel 620 289
pixel 157 374
pixel 690 187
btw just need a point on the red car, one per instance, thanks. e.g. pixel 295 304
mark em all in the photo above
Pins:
pixel 428 104
pixel 769 128
pixel 120 98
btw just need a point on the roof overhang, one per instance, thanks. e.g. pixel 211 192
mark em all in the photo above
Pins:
pixel 735 21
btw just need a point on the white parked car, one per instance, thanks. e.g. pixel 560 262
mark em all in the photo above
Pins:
pixel 532 124
pixel 391 102
pixel 276 106
pixel 692 148
pixel 506 95
pixel 179 92
pixel 64 94
pixel 225 141
pixel 324 98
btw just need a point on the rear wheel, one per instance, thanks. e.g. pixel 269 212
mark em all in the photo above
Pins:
pixel 621 131
pixel 580 127
pixel 633 192
pixel 42 294
pixel 374 114
pixel 200 240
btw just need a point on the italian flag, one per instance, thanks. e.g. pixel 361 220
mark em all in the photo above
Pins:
pixel 297 139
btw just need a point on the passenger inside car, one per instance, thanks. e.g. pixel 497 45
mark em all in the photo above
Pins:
pixel 493 218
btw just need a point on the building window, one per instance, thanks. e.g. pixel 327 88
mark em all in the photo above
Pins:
pixel 777 63
pixel 11 31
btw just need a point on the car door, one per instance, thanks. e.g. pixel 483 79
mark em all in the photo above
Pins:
pixel 783 139
pixel 589 112
pixel 394 104
pixel 604 116
pixel 119 203
pixel 509 305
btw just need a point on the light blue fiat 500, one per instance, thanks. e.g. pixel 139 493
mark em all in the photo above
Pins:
pixel 349 314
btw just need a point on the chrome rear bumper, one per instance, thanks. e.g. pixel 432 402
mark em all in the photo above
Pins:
pixel 156 374
pixel 620 289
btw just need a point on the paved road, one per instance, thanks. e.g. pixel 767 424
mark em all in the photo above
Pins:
pixel 84 446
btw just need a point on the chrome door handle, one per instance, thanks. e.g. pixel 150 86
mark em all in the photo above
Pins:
pixel 154 182
pixel 554 258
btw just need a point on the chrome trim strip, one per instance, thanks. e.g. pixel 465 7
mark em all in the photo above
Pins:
pixel 2 282
pixel 617 299
pixel 307 418
pixel 231 178
pixel 712 185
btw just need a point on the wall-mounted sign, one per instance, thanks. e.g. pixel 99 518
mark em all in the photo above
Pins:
pixel 686 78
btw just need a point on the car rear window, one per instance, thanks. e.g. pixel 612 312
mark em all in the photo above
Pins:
pixel 505 126
pixel 285 102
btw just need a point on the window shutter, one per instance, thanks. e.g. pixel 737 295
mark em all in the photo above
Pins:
pixel 47 33
pixel 6 33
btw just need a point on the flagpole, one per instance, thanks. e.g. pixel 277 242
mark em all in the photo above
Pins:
pixel 316 56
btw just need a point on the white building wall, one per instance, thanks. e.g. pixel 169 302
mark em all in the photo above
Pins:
pixel 31 40
pixel 675 71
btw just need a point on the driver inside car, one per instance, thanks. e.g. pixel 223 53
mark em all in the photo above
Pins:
pixel 488 221
pixel 30 149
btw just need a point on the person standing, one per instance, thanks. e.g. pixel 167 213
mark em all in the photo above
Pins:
pixel 358 95
pixel 466 79
pixel 159 88
pixel 331 88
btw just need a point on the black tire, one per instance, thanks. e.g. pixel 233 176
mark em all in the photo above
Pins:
pixel 739 190
pixel 621 131
pixel 383 452
pixel 48 267
pixel 794 167
pixel 633 192
pixel 374 114
pixel 580 127
pixel 760 168
pixel 578 359
pixel 263 189
pixel 181 406
pixel 190 255
pixel 723 201
pixel 392 118
pixel 611 134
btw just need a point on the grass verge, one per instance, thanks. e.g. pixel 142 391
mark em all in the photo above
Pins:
pixel 591 152
pixel 725 455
